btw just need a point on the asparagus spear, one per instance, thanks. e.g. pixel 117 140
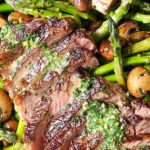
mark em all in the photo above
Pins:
pixel 112 77
pixel 5 8
pixel 8 136
pixel 122 10
pixel 1 83
pixel 130 61
pixel 140 17
pixel 38 5
pixel 145 6
pixel 116 45
pixel 138 47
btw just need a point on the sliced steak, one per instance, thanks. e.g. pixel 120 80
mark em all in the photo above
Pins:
pixel 86 141
pixel 136 141
pixel 142 127
pixel 141 109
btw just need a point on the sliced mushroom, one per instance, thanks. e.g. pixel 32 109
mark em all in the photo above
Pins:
pixel 82 5
pixel 138 36
pixel 126 29
pixel 17 17
pixel 2 21
pixel 5 106
pixel 103 6
pixel 106 50
pixel 138 82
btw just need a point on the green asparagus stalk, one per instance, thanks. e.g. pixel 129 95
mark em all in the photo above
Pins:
pixel 5 8
pixel 1 83
pixel 112 77
pixel 20 129
pixel 68 8
pixel 140 17
pixel 130 61
pixel 8 136
pixel 116 45
pixel 138 47
pixel 35 5
pixel 122 10
pixel 145 6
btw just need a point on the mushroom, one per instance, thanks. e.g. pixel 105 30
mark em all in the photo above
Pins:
pixel 138 36
pixel 138 82
pixel 81 5
pixel 106 50
pixel 2 21
pixel 126 29
pixel 5 106
pixel 11 125
pixel 17 17
pixel 103 6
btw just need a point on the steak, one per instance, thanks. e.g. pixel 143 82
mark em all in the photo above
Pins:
pixel 44 65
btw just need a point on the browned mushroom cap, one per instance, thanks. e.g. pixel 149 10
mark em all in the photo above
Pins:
pixel 81 5
pixel 126 29
pixel 103 6
pixel 11 125
pixel 138 82
pixel 138 36
pixel 106 50
pixel 5 106
pixel 2 21
pixel 18 17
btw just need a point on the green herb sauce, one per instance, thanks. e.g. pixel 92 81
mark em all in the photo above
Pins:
pixel 100 117
pixel 103 119
pixel 55 61
pixel 79 92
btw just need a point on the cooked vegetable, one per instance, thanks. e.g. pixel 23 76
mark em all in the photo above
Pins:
pixel 8 136
pixel 126 29
pixel 43 8
pixel 116 45
pixel 138 36
pixel 18 145
pixel 130 61
pixel 5 8
pixel 138 82
pixel 18 17
pixel 103 6
pixel 145 6
pixel 1 83
pixel 122 10
pixel 138 47
pixel 81 5
pixel 106 50
pixel 11 125
pixel 2 21
pixel 5 106
pixel 140 17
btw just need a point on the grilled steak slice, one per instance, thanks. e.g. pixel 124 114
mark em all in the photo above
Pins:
pixel 143 127
pixel 13 36
pixel 67 126
pixel 136 141
pixel 141 109
pixel 86 141
pixel 41 78
pixel 31 74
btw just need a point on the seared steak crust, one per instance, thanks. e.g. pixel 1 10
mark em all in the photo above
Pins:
pixel 43 66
